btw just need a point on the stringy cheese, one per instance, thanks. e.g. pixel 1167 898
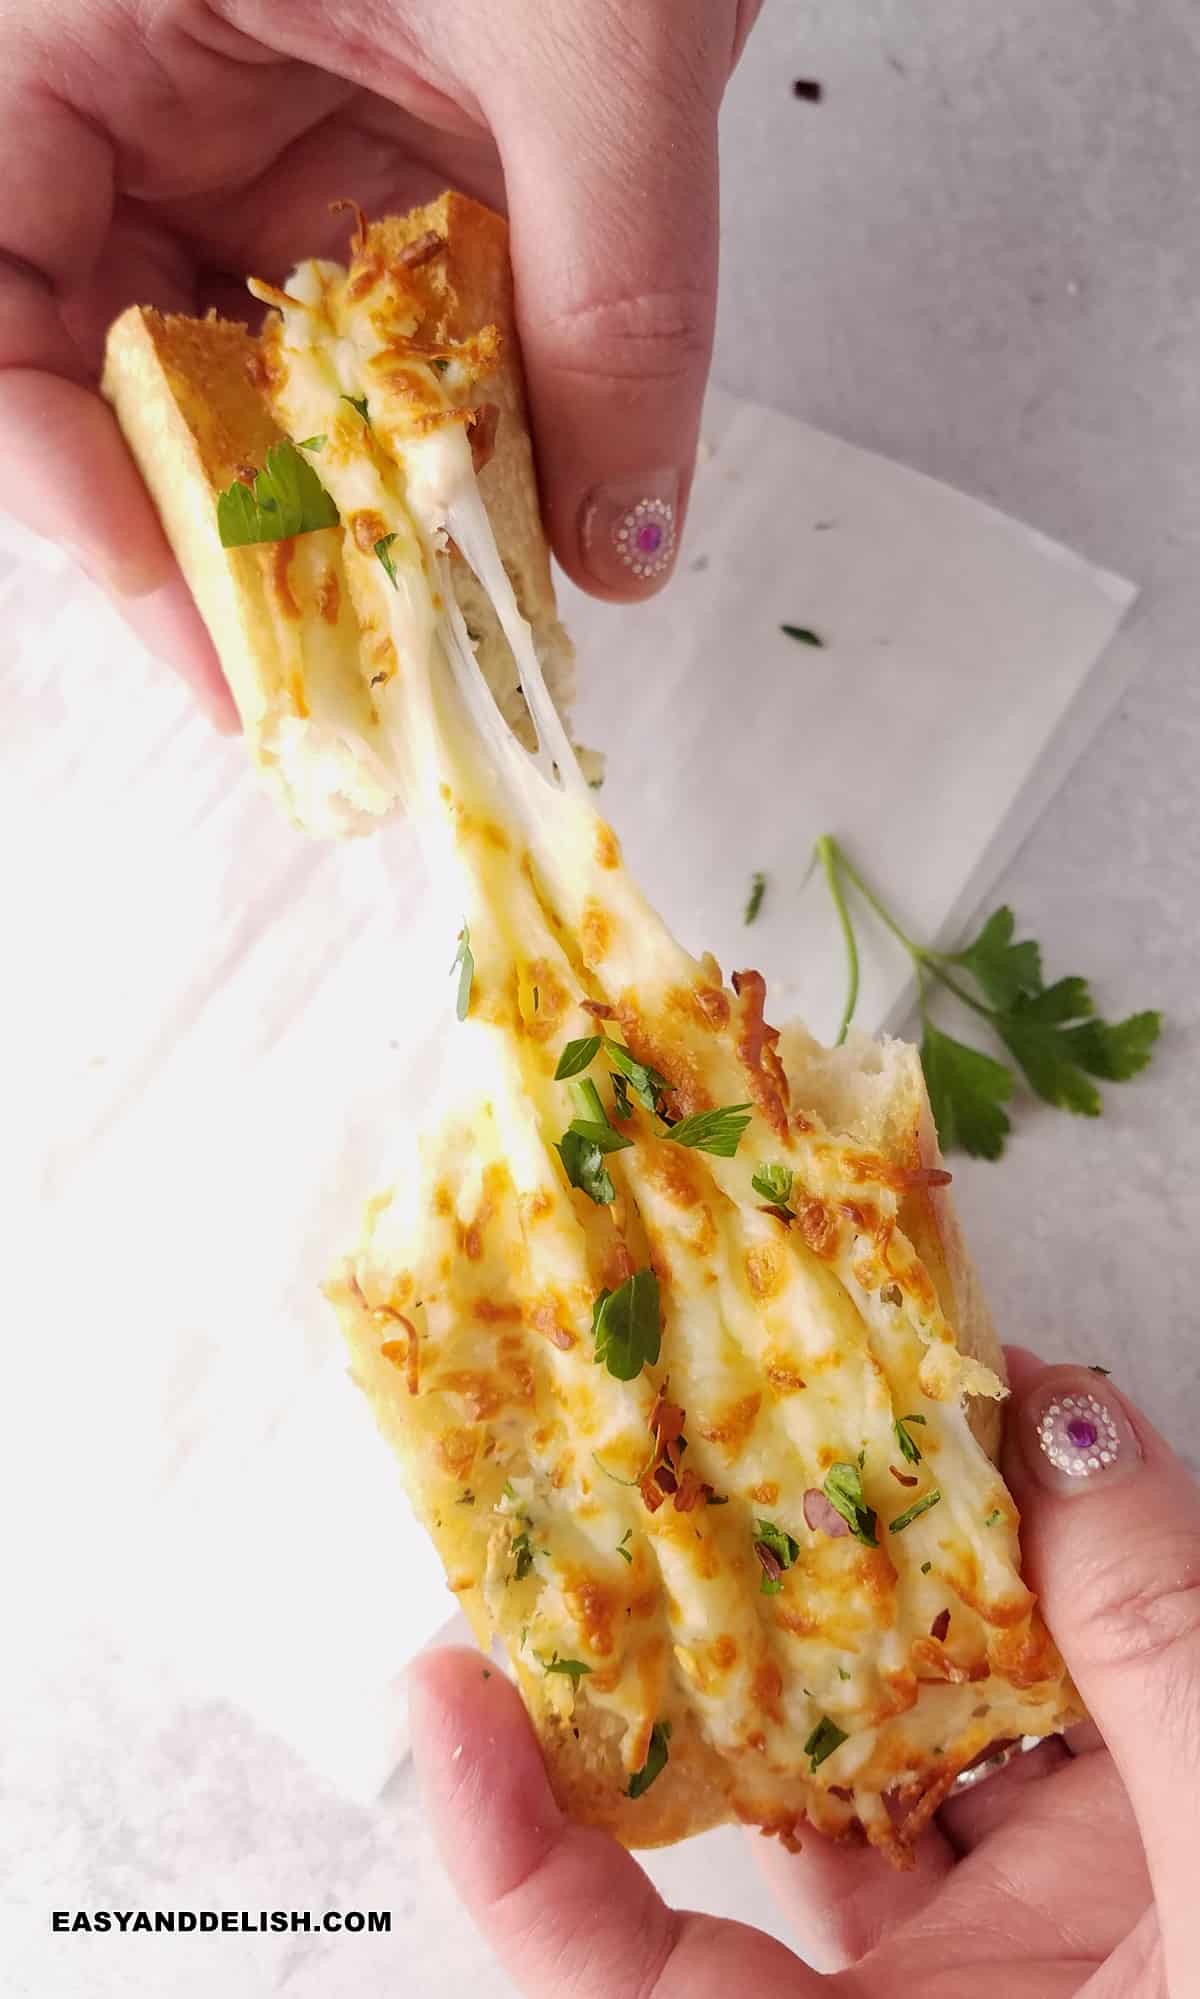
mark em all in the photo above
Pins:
pixel 469 1303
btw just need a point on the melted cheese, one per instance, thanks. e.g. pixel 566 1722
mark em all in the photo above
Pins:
pixel 469 1303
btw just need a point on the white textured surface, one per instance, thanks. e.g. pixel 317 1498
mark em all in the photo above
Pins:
pixel 983 262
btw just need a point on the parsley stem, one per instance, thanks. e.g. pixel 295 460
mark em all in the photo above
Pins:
pixel 833 854
pixel 834 860
pixel 960 992
pixel 830 854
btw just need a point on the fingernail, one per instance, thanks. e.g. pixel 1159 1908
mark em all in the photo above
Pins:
pixel 629 531
pixel 1075 1438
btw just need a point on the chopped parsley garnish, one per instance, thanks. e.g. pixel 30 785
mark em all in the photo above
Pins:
pixel 993 1517
pixel 655 1763
pixel 464 965
pixel 926 1567
pixel 584 1143
pixel 776 1551
pixel 360 404
pixel 383 550
pixel 804 633
pixel 754 901
pixel 914 1512
pixel 621 1103
pixel 774 1183
pixel 909 1448
pixel 577 1056
pixel 287 498
pixel 842 1673
pixel 825 1738
pixel 718 1132
pixel 1052 1033
pixel 311 443
pixel 627 1536
pixel 523 1551
pixel 583 1164
pixel 647 1085
pixel 627 1324
pixel 844 1490
pixel 573 1668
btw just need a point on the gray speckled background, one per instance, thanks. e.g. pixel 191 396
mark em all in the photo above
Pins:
pixel 980 254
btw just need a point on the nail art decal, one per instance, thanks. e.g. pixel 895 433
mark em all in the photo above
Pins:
pixel 645 537
pixel 1078 1435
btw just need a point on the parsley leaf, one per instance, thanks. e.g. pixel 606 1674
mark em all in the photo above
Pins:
pixel 993 1516
pixel 825 1738
pixel 383 549
pixel 583 1164
pixel 627 1324
pixel 464 965
pixel 312 443
pixel 844 1491
pixel 1003 969
pixel 914 1512
pixel 805 635
pixel 360 404
pixel 1114 1052
pixel 621 1103
pixel 287 499
pixel 577 1056
pixel 592 1122
pixel 647 1085
pixel 655 1763
pixel 781 1546
pixel 718 1132
pixel 523 1550
pixel 573 1668
pixel 754 901
pixel 599 1134
pixel 774 1183
pixel 622 1549
pixel 909 1448
pixel 967 1091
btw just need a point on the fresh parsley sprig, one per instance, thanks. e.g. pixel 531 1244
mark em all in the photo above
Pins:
pixel 825 1738
pixel 844 1491
pixel 776 1550
pixel 287 498
pixel 909 1447
pixel 464 965
pixel 655 1763
pixel 718 1132
pixel 774 1182
pixel 627 1326
pixel 1055 1037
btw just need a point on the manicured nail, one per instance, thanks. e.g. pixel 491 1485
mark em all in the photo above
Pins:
pixel 629 531
pixel 1076 1439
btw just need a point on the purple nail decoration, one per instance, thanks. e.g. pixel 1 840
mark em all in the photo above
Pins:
pixel 1079 1436
pixel 645 537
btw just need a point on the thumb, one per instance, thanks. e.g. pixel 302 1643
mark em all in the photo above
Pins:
pixel 567 1910
pixel 1112 1539
pixel 611 177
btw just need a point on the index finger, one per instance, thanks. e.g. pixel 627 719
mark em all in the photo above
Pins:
pixel 568 1911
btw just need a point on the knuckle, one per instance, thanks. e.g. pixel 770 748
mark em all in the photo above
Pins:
pixel 664 335
pixel 1146 1624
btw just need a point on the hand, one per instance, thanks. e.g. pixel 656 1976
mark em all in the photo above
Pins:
pixel 1074 1869
pixel 159 150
